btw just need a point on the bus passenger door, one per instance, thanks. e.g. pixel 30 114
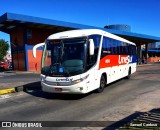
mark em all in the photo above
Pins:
pixel 91 60
pixel 91 81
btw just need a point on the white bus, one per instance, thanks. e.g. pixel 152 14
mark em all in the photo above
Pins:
pixel 81 61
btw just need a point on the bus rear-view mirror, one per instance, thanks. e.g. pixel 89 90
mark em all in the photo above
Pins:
pixel 91 47
pixel 35 48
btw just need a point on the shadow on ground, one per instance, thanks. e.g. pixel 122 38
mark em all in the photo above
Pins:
pixel 146 116
pixel 34 89
pixel 29 86
pixel 46 95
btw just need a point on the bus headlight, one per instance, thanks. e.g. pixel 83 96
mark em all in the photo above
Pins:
pixel 80 80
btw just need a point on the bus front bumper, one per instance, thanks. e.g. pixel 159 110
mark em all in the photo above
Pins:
pixel 79 88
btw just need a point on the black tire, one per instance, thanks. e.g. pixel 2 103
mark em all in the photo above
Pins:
pixel 129 74
pixel 2 69
pixel 102 84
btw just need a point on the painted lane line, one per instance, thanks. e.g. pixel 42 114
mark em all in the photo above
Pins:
pixel 4 96
pixel 7 96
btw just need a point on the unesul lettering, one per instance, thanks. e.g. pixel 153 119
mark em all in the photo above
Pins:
pixel 66 79
pixel 124 59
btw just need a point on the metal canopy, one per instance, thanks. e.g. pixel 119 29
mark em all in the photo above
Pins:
pixel 10 21
pixel 135 37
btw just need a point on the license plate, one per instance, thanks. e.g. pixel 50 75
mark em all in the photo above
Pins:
pixel 58 89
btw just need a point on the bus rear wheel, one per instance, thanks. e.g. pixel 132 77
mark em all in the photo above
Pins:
pixel 102 84
pixel 129 74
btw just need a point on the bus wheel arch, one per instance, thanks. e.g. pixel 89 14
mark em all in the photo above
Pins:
pixel 102 84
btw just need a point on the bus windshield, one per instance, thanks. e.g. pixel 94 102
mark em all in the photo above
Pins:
pixel 65 57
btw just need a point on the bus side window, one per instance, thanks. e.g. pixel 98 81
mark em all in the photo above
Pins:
pixel 124 48
pixel 134 50
pixel 106 47
pixel 115 46
pixel 130 49
pixel 118 47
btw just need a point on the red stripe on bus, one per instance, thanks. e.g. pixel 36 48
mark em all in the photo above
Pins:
pixel 113 60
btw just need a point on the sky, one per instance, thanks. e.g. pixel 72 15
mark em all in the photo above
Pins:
pixel 142 15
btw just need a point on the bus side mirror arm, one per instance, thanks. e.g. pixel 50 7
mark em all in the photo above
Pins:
pixel 35 48
pixel 91 47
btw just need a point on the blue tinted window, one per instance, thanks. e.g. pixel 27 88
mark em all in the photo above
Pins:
pixel 115 47
pixel 111 45
pixel 132 49
pixel 96 39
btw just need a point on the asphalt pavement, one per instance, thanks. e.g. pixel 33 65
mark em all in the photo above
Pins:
pixel 18 81
pixel 119 100
pixel 21 79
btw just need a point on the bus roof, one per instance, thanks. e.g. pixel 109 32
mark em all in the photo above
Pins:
pixel 85 32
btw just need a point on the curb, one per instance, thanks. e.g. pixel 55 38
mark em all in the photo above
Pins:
pixel 6 91
pixel 27 72
pixel 19 89
pixel 23 72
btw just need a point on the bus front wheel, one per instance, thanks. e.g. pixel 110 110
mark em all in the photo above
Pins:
pixel 102 84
